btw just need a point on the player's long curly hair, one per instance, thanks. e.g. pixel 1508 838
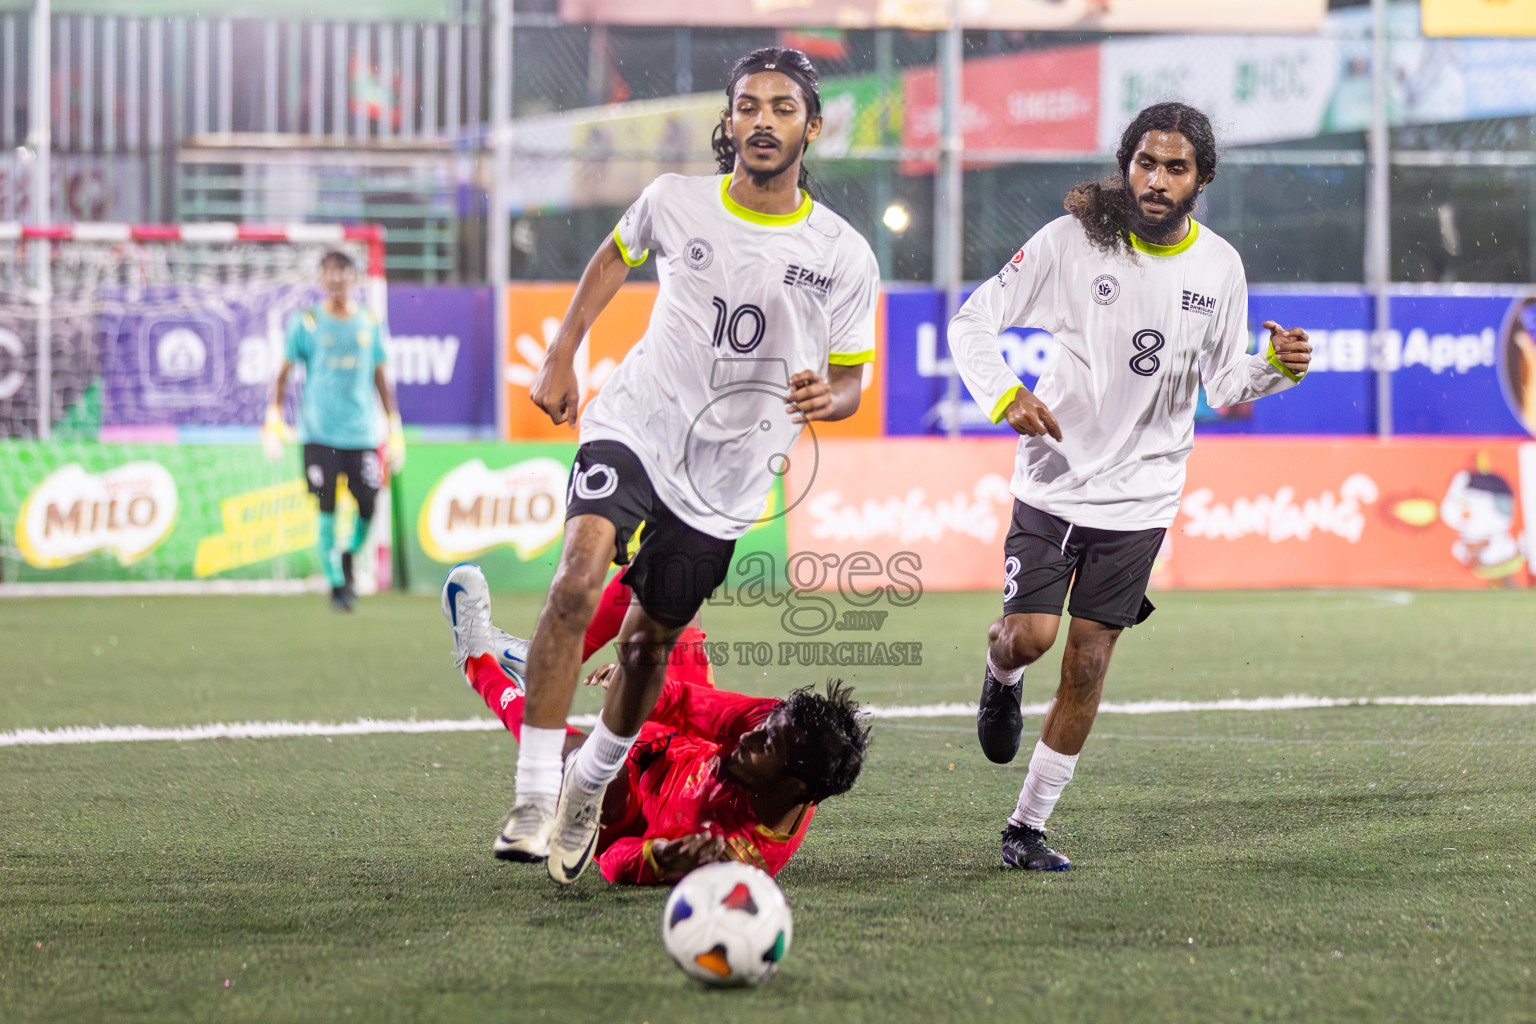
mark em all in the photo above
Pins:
pixel 830 740
pixel 768 58
pixel 1106 209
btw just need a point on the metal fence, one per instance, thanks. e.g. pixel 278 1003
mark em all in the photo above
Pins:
pixel 167 119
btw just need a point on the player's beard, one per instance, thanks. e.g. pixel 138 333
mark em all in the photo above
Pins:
pixel 791 154
pixel 1167 222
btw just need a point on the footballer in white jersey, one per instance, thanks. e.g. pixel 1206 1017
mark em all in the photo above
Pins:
pixel 763 321
pixel 746 300
pixel 1146 306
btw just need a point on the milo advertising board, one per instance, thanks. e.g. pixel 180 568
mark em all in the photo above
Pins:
pixel 503 506
pixel 88 511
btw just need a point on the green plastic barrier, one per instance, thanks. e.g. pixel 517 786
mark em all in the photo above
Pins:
pixel 83 511
pixel 503 506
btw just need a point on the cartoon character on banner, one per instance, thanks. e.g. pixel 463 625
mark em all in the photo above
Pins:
pixel 1480 507
pixel 1517 361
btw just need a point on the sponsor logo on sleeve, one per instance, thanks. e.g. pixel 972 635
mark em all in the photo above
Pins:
pixel 1012 265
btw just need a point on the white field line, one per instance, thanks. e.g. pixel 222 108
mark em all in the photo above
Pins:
pixel 366 727
pixel 166 588
pixel 1290 703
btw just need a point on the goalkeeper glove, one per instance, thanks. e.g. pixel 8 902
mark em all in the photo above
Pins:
pixel 275 434
pixel 396 444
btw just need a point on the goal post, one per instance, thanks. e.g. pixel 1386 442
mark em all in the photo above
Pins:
pixel 117 338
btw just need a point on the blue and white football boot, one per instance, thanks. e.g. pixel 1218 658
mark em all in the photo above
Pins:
pixel 467 607
pixel 524 834
pixel 511 654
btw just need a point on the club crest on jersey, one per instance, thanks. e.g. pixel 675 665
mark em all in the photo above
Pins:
pixel 698 254
pixel 796 276
pixel 1105 289
pixel 1194 302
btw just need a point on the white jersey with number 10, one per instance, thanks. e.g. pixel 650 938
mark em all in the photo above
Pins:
pixel 746 301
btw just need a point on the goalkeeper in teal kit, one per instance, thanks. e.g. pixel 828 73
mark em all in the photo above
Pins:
pixel 341 347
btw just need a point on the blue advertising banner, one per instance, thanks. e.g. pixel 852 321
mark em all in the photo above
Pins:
pixel 1462 365
pixel 190 355
pixel 194 358
pixel 442 354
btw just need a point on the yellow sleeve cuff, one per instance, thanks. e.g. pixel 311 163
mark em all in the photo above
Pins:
pixel 1003 403
pixel 633 261
pixel 851 358
pixel 645 850
pixel 1277 364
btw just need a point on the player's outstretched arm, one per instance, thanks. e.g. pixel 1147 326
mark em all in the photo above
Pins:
pixel 555 389
pixel 634 860
pixel 836 398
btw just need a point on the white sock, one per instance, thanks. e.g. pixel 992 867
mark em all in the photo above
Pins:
pixel 538 763
pixel 1006 676
pixel 600 758
pixel 1049 773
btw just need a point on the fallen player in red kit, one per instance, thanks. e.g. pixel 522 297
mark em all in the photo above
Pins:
pixel 714 775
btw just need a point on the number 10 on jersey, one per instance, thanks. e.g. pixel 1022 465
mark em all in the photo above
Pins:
pixel 742 327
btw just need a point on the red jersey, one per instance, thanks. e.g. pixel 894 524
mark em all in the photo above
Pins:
pixel 677 786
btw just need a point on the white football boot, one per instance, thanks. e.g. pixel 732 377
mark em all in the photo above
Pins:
pixel 524 835
pixel 467 607
pixel 511 653
pixel 573 836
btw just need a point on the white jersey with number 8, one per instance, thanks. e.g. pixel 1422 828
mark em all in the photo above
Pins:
pixel 747 300
pixel 1137 334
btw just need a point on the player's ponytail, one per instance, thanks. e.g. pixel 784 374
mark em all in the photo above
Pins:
pixel 1103 209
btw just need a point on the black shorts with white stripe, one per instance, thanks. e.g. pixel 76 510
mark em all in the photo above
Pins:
pixel 677 566
pixel 1106 571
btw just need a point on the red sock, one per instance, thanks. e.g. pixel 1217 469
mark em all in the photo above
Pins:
pixel 500 693
pixel 689 662
pixel 609 616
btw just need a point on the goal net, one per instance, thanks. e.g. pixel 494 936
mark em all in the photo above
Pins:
pixel 150 335
pixel 154 325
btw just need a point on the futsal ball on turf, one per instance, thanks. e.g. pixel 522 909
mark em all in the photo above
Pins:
pixel 727 924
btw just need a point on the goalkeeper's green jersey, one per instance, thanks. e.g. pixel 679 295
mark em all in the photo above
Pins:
pixel 339 356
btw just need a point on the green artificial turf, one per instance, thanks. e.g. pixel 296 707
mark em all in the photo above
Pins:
pixel 1359 863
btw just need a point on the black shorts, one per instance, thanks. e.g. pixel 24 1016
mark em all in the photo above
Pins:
pixel 365 475
pixel 1043 554
pixel 677 567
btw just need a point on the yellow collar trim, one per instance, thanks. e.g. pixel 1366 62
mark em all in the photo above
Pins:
pixel 784 837
pixel 1168 250
pixel 772 220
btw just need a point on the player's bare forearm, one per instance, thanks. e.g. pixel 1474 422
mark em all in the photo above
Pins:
pixel 835 398
pixel 280 385
pixel 386 392
pixel 606 271
pixel 555 388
